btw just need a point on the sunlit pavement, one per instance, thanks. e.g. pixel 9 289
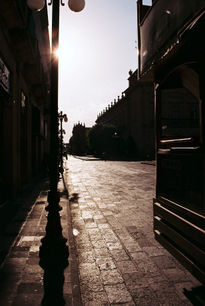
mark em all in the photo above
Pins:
pixel 119 260
pixel 114 259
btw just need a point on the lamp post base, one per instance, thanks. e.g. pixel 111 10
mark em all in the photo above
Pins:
pixel 53 252
pixel 53 256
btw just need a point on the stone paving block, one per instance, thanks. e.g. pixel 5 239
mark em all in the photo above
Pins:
pixel 15 263
pixel 96 238
pixel 82 238
pixel 35 268
pixel 114 246
pixel 18 254
pixel 33 277
pixel 144 242
pixel 105 263
pixel 107 213
pixel 67 288
pixel 96 303
pixel 95 298
pixel 163 289
pixel 95 232
pixel 110 277
pixel 14 266
pixel 93 206
pixel 29 230
pixel 118 294
pixel 175 275
pixel 102 253
pixel 124 304
pixel 86 214
pixel 68 298
pixel 139 256
pixel 107 231
pixel 27 299
pixel 84 246
pixel 164 262
pixel 86 257
pixel 114 223
pixel 131 229
pixel 135 280
pixel 34 249
pixel 21 248
pixel 89 223
pixel 126 266
pixel 26 241
pixel 145 297
pixel 119 255
pixel 33 260
pixel 103 226
pixel 154 251
pixel 30 288
pixel 81 247
pixel 149 268
pixel 110 238
pixel 132 247
pixel 94 284
pixel 89 268
pixel 99 244
pixel 101 221
pixel 124 235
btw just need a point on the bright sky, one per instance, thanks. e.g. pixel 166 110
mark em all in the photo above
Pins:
pixel 97 50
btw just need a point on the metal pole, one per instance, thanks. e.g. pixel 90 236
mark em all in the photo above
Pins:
pixel 54 100
pixel 61 141
pixel 54 251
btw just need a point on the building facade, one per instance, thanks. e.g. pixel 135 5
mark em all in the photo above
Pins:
pixel 133 115
pixel 24 95
pixel 171 54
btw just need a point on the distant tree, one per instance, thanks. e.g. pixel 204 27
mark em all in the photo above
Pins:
pixel 78 144
pixel 105 140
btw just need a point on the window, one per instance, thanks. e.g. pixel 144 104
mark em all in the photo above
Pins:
pixel 179 108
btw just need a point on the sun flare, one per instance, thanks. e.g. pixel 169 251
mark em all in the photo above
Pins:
pixel 65 53
pixel 57 53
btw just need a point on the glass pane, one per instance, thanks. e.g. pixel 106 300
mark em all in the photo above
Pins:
pixel 179 114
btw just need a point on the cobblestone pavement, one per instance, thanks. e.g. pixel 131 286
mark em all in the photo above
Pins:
pixel 114 259
pixel 21 277
pixel 120 263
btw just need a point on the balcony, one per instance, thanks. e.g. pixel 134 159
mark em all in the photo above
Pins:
pixel 160 28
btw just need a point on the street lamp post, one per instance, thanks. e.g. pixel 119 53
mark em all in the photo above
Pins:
pixel 54 250
pixel 62 117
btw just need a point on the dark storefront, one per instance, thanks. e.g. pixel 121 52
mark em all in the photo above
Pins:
pixel 172 52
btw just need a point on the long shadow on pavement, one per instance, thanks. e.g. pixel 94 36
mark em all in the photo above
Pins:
pixel 15 213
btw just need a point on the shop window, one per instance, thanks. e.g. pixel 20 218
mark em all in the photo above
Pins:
pixel 179 108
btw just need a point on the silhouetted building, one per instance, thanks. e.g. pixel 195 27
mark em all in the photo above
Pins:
pixel 133 115
pixel 171 54
pixel 24 95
